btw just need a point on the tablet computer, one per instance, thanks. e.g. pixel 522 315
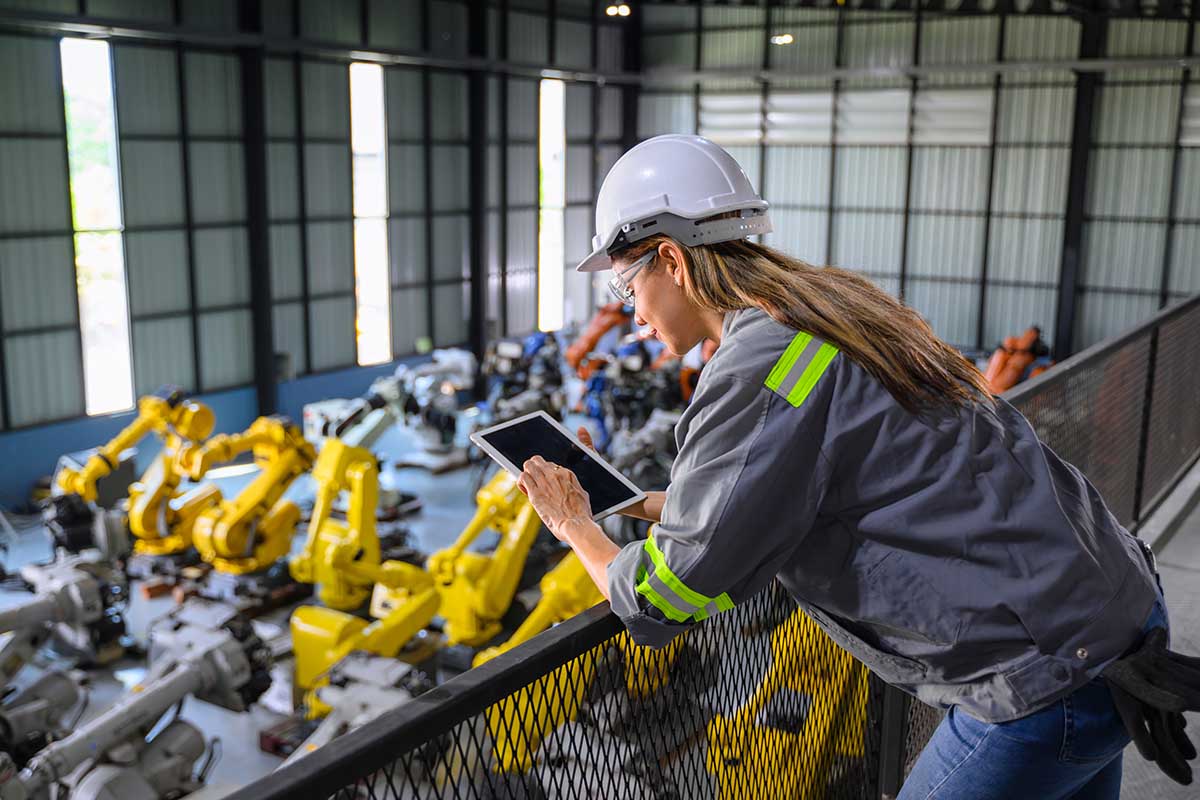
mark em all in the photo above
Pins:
pixel 514 442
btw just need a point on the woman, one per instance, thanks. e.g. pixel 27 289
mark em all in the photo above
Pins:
pixel 836 444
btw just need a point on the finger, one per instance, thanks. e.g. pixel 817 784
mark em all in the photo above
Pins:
pixel 585 436
pixel 1177 723
pixel 1170 760
pixel 1129 711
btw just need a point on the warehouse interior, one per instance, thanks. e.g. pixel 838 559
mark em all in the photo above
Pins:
pixel 265 265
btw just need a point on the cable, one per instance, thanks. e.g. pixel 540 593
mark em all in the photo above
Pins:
pixel 215 751
pixel 87 697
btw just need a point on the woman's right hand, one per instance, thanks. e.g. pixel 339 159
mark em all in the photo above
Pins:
pixel 585 436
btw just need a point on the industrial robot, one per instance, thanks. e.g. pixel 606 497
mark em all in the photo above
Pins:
pixel 431 407
pixel 803 725
pixel 345 559
pixel 613 315
pixel 160 516
pixel 76 606
pixel 246 537
pixel 1016 359
pixel 200 649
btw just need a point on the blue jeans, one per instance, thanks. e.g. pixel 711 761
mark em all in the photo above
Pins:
pixel 1071 749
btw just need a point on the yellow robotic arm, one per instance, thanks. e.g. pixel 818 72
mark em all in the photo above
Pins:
pixel 251 531
pixel 476 588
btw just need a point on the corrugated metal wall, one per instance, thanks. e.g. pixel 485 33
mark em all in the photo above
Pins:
pixel 950 190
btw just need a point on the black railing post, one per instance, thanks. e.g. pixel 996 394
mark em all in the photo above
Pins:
pixel 891 742
pixel 1139 479
pixel 477 82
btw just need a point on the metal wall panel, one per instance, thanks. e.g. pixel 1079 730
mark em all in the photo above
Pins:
pixel 522 175
pixel 668 17
pixel 1188 197
pixel 799 233
pixel 451 188
pixel 523 103
pixel 214 94
pixel 395 24
pixel 222 267
pixel 327 189
pixel 573 41
pixel 226 354
pixel 403 100
pixel 797 175
pixel 1129 182
pixel 731 118
pixel 945 246
pixel 522 301
pixel 409 320
pixel 332 324
pixel 951 309
pixel 37 282
pixel 219 15
pixel 1130 38
pixel 279 79
pixel 1102 315
pixel 1136 114
pixel 287 319
pixel 952 117
pixel 330 258
pixel 1038 38
pixel 870 177
pixel 141 10
pixel 1035 114
pixel 878 44
pixel 579 174
pixel 287 269
pixel 960 41
pixel 608 156
pixel 326 90
pixel 283 180
pixel 156 266
pixel 867 242
pixel 406 248
pixel 147 90
pixel 669 50
pixel 218 182
pixel 44 381
pixel 949 178
pixel 814 46
pixel 451 306
pixel 330 21
pixel 406 178
pixel 452 250
pixel 1011 309
pixel 448 28
pixel 162 354
pixel 152 182
pixel 1185 261
pixel 1025 250
pixel 578 228
pixel 729 49
pixel 449 117
pixel 33 192
pixel 610 48
pixel 666 113
pixel 1030 180
pixel 577 103
pixel 527 38
pixel 799 117
pixel 748 158
pixel 874 117
pixel 1126 255
pixel 522 240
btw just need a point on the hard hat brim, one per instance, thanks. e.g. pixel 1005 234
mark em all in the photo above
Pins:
pixel 598 261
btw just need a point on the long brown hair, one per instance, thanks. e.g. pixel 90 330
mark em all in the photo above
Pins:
pixel 878 332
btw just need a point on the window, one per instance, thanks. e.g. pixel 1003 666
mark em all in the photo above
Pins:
pixel 368 139
pixel 96 212
pixel 552 191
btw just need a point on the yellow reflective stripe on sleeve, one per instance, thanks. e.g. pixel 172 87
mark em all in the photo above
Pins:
pixel 675 592
pixel 657 600
pixel 801 365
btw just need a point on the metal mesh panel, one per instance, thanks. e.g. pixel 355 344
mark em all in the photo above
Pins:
pixel 1174 427
pixel 1092 417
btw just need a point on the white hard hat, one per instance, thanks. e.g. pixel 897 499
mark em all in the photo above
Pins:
pixel 666 184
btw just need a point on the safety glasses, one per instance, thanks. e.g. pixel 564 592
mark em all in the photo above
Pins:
pixel 619 283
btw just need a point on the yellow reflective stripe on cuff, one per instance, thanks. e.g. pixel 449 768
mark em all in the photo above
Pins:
pixel 675 592
pixel 801 365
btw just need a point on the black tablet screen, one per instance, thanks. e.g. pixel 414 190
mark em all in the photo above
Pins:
pixel 537 437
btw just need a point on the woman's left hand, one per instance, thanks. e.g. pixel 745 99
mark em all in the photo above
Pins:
pixel 555 493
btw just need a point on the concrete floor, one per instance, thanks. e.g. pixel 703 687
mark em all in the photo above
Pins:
pixel 1179 566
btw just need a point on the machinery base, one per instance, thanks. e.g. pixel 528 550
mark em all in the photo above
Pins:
pixel 256 592
pixel 436 463
pixel 145 566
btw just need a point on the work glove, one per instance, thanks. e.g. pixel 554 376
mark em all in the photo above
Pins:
pixel 1151 689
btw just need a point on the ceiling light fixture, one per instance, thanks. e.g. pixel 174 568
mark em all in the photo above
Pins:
pixel 783 38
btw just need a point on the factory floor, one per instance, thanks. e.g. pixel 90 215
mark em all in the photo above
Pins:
pixel 1179 566
pixel 448 505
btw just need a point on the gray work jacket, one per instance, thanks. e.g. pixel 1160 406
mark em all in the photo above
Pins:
pixel 954 553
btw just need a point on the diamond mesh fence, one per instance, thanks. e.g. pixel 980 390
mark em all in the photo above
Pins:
pixel 756 702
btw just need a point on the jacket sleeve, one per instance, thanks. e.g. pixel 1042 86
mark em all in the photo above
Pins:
pixel 745 489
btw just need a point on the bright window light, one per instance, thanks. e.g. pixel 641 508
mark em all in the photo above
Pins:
pixel 96 211
pixel 552 149
pixel 368 141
